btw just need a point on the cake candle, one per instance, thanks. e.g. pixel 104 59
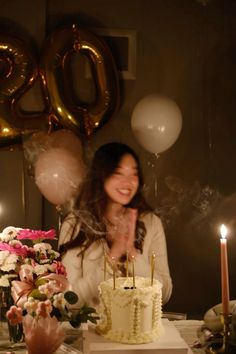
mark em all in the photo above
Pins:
pixel 224 270
pixel 133 272
pixel 152 266
pixel 127 264
pixel 114 272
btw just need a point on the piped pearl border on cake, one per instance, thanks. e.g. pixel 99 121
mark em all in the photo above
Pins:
pixel 135 299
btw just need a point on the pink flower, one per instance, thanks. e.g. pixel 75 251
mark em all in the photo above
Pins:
pixel 48 289
pixel 14 315
pixel 58 268
pixel 35 234
pixel 59 282
pixel 44 308
pixel 19 250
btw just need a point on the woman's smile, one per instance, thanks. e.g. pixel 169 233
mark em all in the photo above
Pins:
pixel 122 185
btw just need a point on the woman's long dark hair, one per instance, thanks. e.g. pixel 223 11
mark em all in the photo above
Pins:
pixel 92 201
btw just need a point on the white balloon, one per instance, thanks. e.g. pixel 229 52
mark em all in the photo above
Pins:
pixel 156 123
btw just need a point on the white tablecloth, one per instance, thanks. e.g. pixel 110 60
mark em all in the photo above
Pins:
pixel 190 332
pixel 188 329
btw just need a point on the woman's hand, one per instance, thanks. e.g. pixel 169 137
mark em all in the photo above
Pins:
pixel 123 235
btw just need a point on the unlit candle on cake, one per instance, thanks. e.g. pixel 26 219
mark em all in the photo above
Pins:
pixel 114 272
pixel 127 264
pixel 133 272
pixel 224 271
pixel 152 266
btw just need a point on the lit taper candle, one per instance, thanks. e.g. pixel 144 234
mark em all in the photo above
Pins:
pixel 224 270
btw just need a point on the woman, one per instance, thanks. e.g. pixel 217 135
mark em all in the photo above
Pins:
pixel 112 223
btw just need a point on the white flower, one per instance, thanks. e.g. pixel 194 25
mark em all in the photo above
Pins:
pixel 27 268
pixel 42 247
pixel 44 261
pixel 9 233
pixel 31 305
pixel 40 269
pixel 7 261
pixel 56 254
pixel 4 280
pixel 59 301
pixel 15 243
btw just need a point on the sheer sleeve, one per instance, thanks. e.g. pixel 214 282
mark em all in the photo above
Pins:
pixel 86 272
pixel 155 242
pixel 68 229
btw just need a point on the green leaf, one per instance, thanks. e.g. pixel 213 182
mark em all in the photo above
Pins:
pixel 83 315
pixel 87 310
pixel 35 293
pixel 57 313
pixel 39 282
pixel 93 319
pixel 75 324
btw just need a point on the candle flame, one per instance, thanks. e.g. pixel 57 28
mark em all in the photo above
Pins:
pixel 223 231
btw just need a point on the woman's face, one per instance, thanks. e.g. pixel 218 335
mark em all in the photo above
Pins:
pixel 122 185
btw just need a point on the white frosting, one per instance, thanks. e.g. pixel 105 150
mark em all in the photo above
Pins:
pixel 130 315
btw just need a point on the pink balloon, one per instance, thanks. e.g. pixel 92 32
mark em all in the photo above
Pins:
pixel 66 139
pixel 58 175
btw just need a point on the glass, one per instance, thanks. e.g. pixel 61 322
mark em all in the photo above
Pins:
pixel 173 316
pixel 11 336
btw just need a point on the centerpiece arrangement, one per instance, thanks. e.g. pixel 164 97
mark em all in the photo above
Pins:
pixel 34 295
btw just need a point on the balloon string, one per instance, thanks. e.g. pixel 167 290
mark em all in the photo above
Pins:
pixel 156 174
pixel 155 187
pixel 87 123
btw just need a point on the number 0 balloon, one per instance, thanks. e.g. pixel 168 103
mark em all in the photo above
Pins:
pixel 156 123
pixel 55 64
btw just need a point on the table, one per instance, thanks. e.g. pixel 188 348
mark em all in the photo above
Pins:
pixel 188 329
pixel 170 342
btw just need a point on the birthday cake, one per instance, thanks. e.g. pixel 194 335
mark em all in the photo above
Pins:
pixel 128 313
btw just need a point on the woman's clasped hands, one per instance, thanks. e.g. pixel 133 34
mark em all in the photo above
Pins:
pixel 121 234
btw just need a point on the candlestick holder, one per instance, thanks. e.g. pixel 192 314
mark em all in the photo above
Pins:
pixel 223 346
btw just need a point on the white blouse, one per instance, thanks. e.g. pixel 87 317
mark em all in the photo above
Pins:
pixel 86 272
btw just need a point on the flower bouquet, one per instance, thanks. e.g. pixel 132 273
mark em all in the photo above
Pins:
pixel 36 279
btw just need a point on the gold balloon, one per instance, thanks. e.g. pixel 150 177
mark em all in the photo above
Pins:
pixel 18 72
pixel 8 135
pixel 54 70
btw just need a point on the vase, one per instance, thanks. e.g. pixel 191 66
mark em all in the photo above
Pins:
pixel 42 335
pixel 11 336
